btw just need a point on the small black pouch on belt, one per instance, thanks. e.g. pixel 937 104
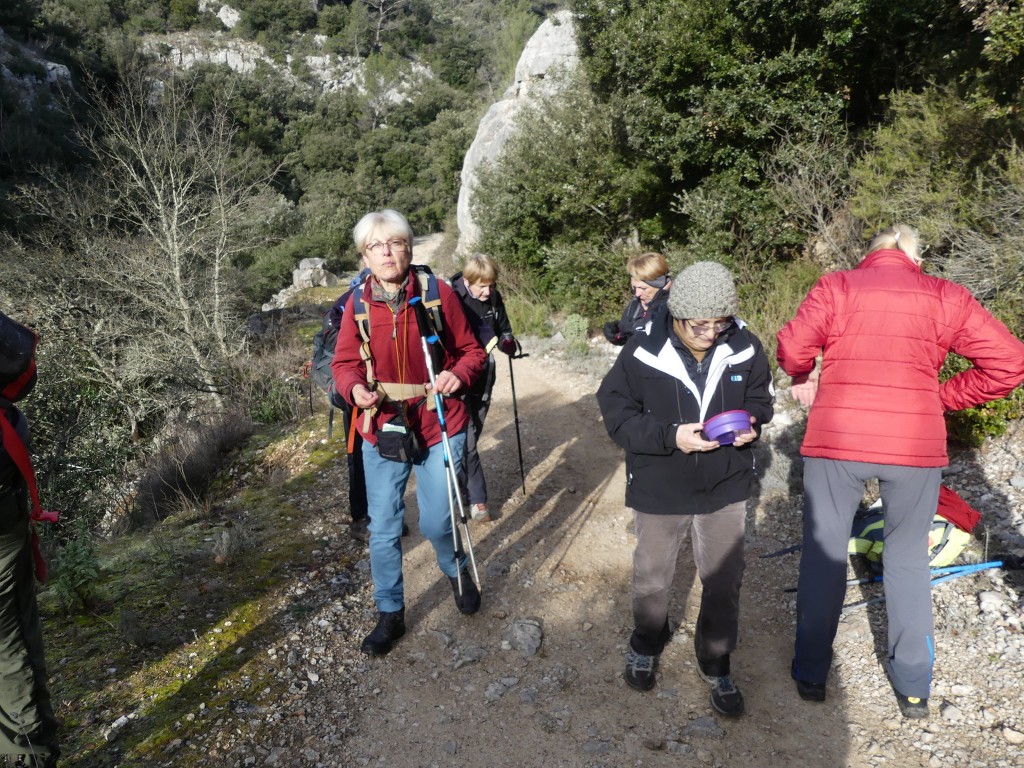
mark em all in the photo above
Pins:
pixel 397 442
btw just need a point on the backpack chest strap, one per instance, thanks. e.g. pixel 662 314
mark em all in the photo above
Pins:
pixel 398 391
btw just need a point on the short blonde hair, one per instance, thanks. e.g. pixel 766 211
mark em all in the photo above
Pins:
pixel 390 223
pixel 901 238
pixel 647 266
pixel 480 269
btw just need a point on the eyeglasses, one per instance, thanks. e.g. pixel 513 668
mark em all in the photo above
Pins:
pixel 395 246
pixel 704 328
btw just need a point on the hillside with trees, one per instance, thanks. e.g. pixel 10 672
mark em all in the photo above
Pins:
pixel 165 164
pixel 147 209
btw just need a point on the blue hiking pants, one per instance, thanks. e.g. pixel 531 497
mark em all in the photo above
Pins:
pixel 385 486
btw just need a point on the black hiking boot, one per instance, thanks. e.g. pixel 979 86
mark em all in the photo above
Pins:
pixel 468 602
pixel 359 530
pixel 810 691
pixel 641 670
pixel 911 706
pixel 390 627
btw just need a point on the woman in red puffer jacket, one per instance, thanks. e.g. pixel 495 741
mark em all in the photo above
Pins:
pixel 883 331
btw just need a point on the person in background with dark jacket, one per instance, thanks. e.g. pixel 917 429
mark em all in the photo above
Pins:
pixel 28 727
pixel 696 361
pixel 876 411
pixel 485 310
pixel 359 529
pixel 649 281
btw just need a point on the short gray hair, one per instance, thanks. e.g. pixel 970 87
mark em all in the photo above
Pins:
pixel 390 222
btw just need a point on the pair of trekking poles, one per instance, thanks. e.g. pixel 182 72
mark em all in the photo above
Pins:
pixel 938 576
pixel 460 523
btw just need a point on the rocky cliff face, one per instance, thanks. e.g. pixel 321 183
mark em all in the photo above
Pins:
pixel 549 56
pixel 25 71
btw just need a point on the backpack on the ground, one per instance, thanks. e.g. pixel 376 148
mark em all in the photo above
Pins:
pixel 326 338
pixel 951 530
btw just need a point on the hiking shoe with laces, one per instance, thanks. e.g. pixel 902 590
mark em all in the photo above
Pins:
pixel 911 706
pixel 725 696
pixel 480 513
pixel 468 602
pixel 640 670
pixel 390 627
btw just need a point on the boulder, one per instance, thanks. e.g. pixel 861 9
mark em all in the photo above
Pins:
pixel 550 55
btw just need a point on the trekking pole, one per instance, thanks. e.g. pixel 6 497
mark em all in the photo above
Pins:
pixel 784 551
pixel 946 570
pixel 515 411
pixel 460 524
pixel 948 574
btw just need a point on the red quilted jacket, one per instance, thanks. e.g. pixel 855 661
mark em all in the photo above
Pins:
pixel 883 330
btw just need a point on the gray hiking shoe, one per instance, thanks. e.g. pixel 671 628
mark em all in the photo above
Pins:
pixel 640 670
pixel 725 696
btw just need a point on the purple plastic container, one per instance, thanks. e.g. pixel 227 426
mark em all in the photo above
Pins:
pixel 725 426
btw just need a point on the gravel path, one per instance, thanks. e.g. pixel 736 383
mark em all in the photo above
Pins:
pixel 535 678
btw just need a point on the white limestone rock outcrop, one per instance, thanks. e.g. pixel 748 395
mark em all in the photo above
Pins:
pixel 548 58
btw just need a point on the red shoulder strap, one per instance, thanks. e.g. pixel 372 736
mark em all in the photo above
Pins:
pixel 19 455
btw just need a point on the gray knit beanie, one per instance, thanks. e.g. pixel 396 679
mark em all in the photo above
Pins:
pixel 702 291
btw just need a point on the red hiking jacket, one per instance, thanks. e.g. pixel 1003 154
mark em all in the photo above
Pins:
pixel 884 329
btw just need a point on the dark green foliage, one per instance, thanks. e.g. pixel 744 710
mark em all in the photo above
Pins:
pixel 589 279
pixel 971 426
pixel 562 180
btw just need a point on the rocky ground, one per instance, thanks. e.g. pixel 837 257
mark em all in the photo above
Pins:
pixel 535 678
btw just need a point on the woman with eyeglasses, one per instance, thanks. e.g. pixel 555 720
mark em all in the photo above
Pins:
pixel 649 282
pixel 882 331
pixel 385 378
pixel 695 361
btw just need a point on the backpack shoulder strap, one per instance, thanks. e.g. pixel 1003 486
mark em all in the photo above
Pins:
pixel 361 314
pixel 430 294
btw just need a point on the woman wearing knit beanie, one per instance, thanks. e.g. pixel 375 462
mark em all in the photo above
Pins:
pixel 697 360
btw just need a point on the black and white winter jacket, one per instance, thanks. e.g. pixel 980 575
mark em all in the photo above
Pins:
pixel 648 392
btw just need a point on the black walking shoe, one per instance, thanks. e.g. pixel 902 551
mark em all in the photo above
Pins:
pixel 911 706
pixel 360 529
pixel 725 696
pixel 390 627
pixel 641 671
pixel 469 601
pixel 810 691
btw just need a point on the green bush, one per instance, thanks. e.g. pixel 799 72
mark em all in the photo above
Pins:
pixel 971 426
pixel 588 279
pixel 576 331
pixel 77 568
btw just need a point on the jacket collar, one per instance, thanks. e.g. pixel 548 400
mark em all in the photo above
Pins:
pixel 888 257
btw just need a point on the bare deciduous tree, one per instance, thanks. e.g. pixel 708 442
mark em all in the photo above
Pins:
pixel 381 12
pixel 146 242
pixel 811 183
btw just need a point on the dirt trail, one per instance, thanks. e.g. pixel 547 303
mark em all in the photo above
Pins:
pixel 450 694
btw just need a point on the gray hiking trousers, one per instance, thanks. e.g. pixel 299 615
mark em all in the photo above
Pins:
pixel 718 555
pixel 832 491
